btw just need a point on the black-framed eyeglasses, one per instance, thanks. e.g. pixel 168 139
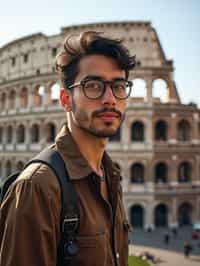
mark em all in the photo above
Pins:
pixel 94 88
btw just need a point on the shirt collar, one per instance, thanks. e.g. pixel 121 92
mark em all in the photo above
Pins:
pixel 76 164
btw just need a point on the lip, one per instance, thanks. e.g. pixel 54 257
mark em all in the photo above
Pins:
pixel 108 116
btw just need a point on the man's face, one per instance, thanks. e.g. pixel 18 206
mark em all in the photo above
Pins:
pixel 99 117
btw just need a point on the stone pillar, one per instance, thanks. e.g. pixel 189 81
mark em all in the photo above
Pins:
pixel 149 95
pixel 27 134
pixel 173 177
pixel 14 135
pixel 30 97
pixel 172 131
pixel 149 219
pixel 17 98
pixel 195 132
pixel 173 222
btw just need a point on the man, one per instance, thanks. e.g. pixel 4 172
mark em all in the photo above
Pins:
pixel 94 74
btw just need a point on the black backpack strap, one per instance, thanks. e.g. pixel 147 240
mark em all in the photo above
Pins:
pixel 69 221
pixel 9 180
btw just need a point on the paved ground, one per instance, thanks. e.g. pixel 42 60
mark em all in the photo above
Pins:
pixel 171 254
pixel 168 258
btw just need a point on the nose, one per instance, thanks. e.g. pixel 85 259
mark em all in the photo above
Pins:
pixel 108 97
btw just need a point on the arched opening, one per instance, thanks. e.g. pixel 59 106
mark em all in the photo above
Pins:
pixel 8 168
pixel 160 90
pixel 3 101
pixel 11 100
pixel 34 133
pixel 51 132
pixel 137 131
pixel 183 131
pixel 161 215
pixel 185 214
pixel 38 92
pixel 54 93
pixel 137 173
pixel 184 172
pixel 161 131
pixel 116 136
pixel 161 173
pixel 137 216
pixel 20 134
pixel 24 97
pixel 9 134
pixel 139 89
pixel 20 166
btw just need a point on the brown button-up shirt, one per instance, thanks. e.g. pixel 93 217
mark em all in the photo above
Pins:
pixel 30 214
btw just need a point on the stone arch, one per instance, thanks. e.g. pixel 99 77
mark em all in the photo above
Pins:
pixel 139 88
pixel 9 134
pixel 8 168
pixel 183 130
pixel 161 215
pixel 161 172
pixel 20 134
pixel 24 97
pixel 137 216
pixel 19 166
pixel 161 130
pixel 50 132
pixel 3 101
pixel 184 172
pixel 12 99
pixel 38 93
pixel 35 133
pixel 137 131
pixel 185 214
pixel 137 173
pixel 160 90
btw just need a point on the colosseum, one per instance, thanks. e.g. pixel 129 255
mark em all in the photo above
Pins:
pixel 158 145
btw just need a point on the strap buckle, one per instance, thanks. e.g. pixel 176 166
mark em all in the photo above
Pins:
pixel 70 224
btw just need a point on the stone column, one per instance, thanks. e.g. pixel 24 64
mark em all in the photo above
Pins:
pixel 27 134
pixel 172 131
pixel 149 95
pixel 30 97
pixel 149 219
pixel 14 141
pixel 173 222
pixel 195 132
pixel 17 99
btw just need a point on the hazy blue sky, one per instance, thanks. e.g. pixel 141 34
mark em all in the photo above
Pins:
pixel 177 23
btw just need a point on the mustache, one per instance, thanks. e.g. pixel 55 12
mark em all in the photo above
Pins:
pixel 106 109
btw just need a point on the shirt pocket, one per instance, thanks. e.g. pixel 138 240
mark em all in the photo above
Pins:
pixel 92 250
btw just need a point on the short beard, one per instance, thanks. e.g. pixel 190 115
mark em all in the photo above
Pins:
pixel 82 119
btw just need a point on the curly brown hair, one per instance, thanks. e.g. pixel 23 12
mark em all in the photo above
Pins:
pixel 76 47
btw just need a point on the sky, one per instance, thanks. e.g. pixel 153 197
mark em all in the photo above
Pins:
pixel 177 23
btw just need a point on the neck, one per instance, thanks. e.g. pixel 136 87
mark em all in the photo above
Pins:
pixel 91 147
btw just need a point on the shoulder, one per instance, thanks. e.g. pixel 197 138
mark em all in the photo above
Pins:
pixel 39 176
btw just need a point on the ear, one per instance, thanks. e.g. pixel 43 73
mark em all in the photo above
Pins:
pixel 65 100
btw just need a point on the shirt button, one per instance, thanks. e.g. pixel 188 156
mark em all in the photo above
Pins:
pixel 117 255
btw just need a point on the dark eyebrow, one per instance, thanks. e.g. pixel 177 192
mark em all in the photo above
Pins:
pixel 101 78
